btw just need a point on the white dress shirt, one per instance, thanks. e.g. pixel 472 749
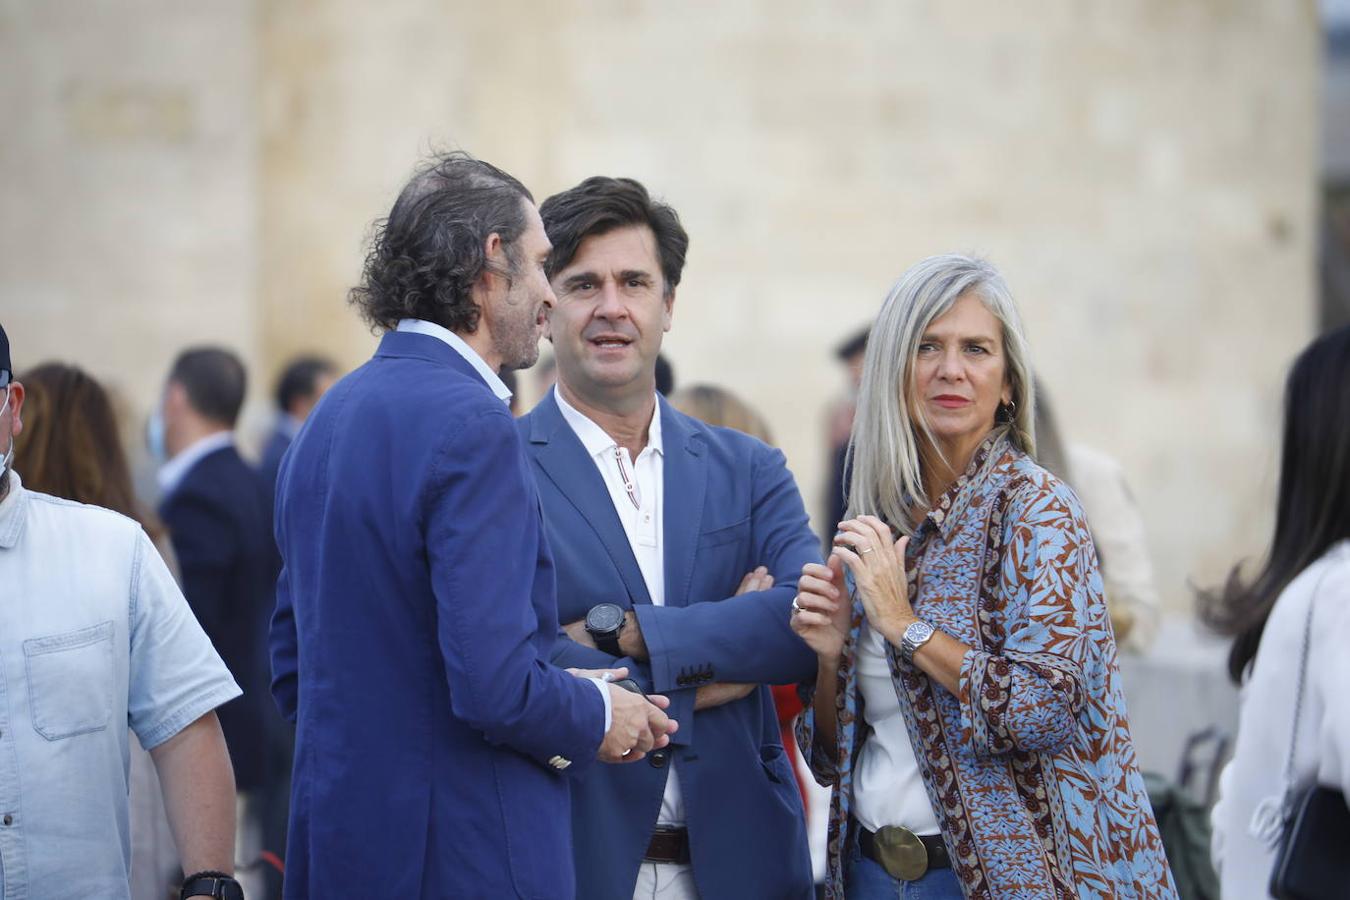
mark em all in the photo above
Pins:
pixel 460 346
pixel 637 489
pixel 503 393
pixel 887 787
pixel 172 473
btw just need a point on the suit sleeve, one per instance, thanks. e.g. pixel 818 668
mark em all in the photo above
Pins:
pixel 746 638
pixel 206 547
pixel 569 654
pixel 483 536
pixel 285 652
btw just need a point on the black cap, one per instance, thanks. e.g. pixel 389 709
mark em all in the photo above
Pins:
pixel 6 372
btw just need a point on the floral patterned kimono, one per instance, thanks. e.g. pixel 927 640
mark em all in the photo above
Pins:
pixel 1030 769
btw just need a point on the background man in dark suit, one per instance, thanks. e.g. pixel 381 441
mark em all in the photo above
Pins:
pixel 416 608
pixel 655 520
pixel 299 388
pixel 219 517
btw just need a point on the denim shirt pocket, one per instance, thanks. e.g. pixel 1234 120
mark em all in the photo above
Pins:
pixel 70 681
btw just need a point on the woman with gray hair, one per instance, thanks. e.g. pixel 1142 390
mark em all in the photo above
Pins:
pixel 968 710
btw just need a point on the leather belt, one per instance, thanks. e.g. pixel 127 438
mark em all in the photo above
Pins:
pixel 932 844
pixel 668 845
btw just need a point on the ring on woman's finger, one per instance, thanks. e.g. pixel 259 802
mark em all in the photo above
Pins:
pixel 867 549
pixel 628 751
pixel 795 608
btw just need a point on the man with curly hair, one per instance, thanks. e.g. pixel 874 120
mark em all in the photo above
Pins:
pixel 416 609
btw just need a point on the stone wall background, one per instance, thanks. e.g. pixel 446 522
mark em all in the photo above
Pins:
pixel 1143 172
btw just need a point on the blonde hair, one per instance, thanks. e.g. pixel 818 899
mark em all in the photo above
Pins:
pixel 718 406
pixel 885 447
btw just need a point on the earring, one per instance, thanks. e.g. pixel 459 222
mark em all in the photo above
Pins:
pixel 1009 411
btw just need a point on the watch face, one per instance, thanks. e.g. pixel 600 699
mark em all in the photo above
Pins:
pixel 605 618
pixel 919 631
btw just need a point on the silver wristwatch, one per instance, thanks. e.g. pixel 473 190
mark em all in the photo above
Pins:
pixel 915 636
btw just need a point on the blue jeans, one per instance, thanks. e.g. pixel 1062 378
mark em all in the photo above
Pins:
pixel 867 880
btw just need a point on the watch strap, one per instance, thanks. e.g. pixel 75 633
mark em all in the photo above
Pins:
pixel 211 884
pixel 609 643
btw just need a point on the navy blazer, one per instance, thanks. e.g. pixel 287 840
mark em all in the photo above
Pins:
pixel 220 524
pixel 269 461
pixel 730 505
pixel 415 617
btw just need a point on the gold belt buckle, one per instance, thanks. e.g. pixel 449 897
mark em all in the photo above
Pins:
pixel 901 853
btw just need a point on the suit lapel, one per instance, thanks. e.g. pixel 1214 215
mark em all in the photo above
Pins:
pixel 564 460
pixel 686 483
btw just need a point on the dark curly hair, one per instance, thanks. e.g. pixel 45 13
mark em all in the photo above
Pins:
pixel 425 258
pixel 599 205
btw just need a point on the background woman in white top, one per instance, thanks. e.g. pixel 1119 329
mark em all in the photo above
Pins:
pixel 1309 563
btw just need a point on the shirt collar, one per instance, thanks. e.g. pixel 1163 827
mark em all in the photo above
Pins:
pixel 12 512
pixel 594 438
pixel 460 346
pixel 172 473
pixel 954 501
pixel 289 425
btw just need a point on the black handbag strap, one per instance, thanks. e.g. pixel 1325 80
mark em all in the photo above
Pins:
pixel 1289 787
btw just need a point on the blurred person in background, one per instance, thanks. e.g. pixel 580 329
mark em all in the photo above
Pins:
pixel 545 374
pixel 219 515
pixel 1297 603
pixel 838 426
pixel 71 448
pixel 1117 527
pixel 968 710
pixel 96 638
pixel 300 386
pixel 654 519
pixel 508 377
pixel 713 405
pixel 303 381
pixel 665 376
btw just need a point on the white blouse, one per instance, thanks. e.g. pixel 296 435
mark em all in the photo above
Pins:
pixel 887 785
pixel 1266 717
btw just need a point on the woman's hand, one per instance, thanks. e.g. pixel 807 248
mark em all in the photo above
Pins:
pixel 878 567
pixel 822 613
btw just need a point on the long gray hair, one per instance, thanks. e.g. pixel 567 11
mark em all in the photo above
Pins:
pixel 885 447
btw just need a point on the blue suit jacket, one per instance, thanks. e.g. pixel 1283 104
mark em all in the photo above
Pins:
pixel 730 505
pixel 220 523
pixel 415 617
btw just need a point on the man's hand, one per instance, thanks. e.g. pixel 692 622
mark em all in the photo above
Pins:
pixel 577 632
pixel 718 693
pixel 757 579
pixel 638 725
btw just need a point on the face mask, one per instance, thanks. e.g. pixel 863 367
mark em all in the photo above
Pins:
pixel 9 454
pixel 154 437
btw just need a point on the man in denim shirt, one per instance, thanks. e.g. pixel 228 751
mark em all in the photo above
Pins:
pixel 95 636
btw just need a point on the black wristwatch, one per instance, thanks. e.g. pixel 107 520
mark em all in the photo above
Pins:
pixel 603 624
pixel 211 884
